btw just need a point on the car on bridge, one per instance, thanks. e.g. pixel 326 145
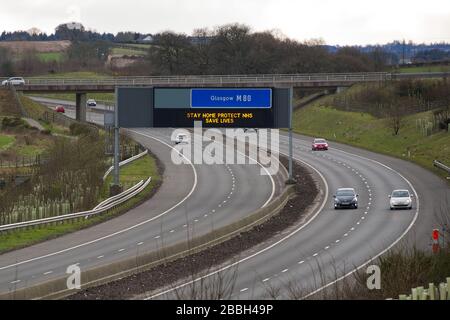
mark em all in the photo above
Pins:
pixel 91 103
pixel 319 144
pixel 346 198
pixel 400 199
pixel 16 81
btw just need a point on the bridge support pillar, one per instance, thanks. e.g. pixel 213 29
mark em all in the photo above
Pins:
pixel 81 107
pixel 341 89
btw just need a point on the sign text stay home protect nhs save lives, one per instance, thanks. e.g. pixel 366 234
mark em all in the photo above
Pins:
pixel 231 98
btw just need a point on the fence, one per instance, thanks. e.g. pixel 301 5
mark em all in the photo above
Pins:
pixel 20 162
pixel 105 206
pixel 440 292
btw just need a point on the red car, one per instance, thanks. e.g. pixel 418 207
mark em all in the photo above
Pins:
pixel 319 144
pixel 60 109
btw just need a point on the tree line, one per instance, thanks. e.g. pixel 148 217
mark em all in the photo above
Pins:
pixel 234 49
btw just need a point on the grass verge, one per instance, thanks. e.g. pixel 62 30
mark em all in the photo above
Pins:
pixel 139 170
pixel 6 141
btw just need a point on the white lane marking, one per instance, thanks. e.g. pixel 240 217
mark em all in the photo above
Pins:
pixel 245 289
pixel 327 247
pixel 315 254
pixel 121 250
pixel 290 235
pixel 301 262
pixel 185 226
pixel 157 237
pixel 353 229
pixel 285 270
pixel 266 279
pixel 346 235
pixel 416 215
pixel 337 241
pixel 15 281
pixel 48 272
pixel 172 231
pixel 140 243
pixel 267 173
pixel 123 230
pixel 99 257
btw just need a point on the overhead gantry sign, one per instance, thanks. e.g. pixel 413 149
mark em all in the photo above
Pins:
pixel 213 107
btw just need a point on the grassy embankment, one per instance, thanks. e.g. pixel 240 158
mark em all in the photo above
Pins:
pixel 134 172
pixel 365 131
pixel 18 140
pixel 403 268
pixel 6 141
pixel 130 174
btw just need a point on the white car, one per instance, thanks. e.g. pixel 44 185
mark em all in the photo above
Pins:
pixel 400 199
pixel 91 103
pixel 16 81
pixel 181 138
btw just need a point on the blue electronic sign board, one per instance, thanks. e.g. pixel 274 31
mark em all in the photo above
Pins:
pixel 231 98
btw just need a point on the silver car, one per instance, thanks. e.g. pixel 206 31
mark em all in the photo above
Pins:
pixel 16 81
pixel 400 199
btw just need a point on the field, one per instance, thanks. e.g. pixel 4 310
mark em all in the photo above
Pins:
pixel 127 52
pixel 430 68
pixel 20 47
pixel 51 56
pixel 363 130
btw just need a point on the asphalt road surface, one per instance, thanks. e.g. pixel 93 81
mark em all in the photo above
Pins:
pixel 331 245
pixel 335 242
pixel 193 200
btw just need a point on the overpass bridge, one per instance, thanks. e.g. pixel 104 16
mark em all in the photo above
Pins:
pixel 333 81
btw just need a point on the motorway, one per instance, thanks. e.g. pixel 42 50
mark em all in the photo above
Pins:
pixel 193 200
pixel 334 241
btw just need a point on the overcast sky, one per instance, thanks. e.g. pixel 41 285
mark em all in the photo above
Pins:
pixel 337 22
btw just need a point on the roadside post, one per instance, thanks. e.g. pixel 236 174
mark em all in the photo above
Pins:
pixel 116 188
pixel 291 179
pixel 435 237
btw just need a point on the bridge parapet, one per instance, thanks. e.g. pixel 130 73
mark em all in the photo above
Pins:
pixel 269 80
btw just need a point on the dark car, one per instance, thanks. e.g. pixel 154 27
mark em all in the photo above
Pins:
pixel 319 144
pixel 346 198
